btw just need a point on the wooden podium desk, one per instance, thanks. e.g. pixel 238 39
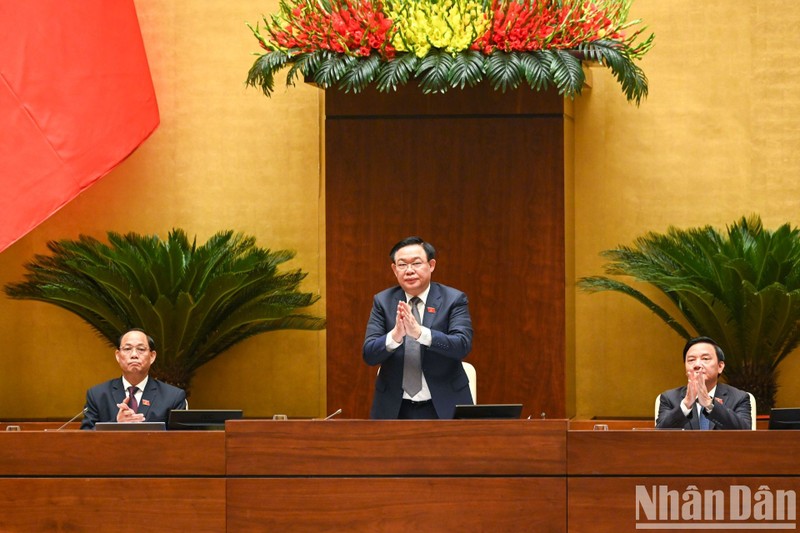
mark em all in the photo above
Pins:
pixel 112 481
pixel 366 475
pixel 682 480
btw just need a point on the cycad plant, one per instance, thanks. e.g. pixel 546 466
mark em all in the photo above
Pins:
pixel 741 288
pixel 196 301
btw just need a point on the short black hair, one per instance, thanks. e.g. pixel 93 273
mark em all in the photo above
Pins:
pixel 704 340
pixel 150 340
pixel 430 251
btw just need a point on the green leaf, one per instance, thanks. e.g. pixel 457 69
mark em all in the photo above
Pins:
pixel 618 58
pixel 332 67
pixel 536 69
pixel 396 72
pixel 360 74
pixel 504 70
pixel 433 72
pixel 262 73
pixel 467 69
pixel 567 72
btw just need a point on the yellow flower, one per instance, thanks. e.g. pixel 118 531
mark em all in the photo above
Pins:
pixel 451 25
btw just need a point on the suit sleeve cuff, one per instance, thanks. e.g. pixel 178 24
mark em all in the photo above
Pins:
pixel 426 337
pixel 390 344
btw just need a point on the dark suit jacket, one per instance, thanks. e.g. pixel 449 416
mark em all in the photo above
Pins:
pixel 447 316
pixel 731 410
pixel 102 400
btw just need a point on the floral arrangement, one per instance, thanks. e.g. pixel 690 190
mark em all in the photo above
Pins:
pixel 444 44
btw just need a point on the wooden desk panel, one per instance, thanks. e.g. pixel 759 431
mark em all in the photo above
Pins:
pixel 394 447
pixel 417 504
pixel 124 453
pixel 39 426
pixel 614 425
pixel 112 504
pixel 675 452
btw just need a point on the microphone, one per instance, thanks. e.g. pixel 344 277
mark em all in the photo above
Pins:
pixel 336 412
pixel 83 411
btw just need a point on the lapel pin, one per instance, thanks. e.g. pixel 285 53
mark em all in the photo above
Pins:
pixel 431 309
pixel 146 402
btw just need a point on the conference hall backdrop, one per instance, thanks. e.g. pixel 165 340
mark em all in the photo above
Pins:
pixel 716 139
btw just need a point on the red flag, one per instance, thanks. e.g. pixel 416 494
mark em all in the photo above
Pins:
pixel 76 99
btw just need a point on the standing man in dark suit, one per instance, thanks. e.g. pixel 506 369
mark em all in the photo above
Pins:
pixel 134 397
pixel 418 332
pixel 704 403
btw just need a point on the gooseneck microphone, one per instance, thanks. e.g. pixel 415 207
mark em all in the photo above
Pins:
pixel 336 412
pixel 83 411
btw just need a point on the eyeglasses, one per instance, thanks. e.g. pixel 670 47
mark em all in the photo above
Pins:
pixel 416 265
pixel 128 349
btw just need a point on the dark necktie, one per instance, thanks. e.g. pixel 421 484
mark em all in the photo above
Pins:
pixel 412 365
pixel 133 404
pixel 705 423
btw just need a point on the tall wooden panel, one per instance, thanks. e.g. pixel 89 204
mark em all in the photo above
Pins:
pixel 478 173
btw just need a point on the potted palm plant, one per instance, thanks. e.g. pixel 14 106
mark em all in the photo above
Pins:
pixel 740 287
pixel 196 301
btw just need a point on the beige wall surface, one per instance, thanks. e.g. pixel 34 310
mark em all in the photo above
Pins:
pixel 716 139
pixel 224 157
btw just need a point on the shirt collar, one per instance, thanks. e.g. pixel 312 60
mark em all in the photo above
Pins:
pixel 141 385
pixel 422 296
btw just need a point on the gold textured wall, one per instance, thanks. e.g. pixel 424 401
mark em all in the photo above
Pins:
pixel 224 157
pixel 716 139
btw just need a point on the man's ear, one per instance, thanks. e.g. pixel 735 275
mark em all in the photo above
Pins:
pixel 432 262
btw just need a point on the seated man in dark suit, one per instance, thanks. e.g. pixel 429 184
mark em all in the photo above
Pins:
pixel 134 397
pixel 704 403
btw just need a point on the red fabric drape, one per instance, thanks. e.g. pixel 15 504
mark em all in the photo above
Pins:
pixel 76 98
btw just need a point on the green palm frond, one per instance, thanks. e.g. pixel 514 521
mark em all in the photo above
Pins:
pixel 397 72
pixel 196 301
pixel 433 71
pixel 600 283
pixel 262 73
pixel 466 70
pixel 504 71
pixel 360 74
pixel 304 64
pixel 536 69
pixel 618 58
pixel 331 68
pixel 567 72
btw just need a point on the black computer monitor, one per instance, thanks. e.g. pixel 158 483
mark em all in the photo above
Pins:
pixel 488 410
pixel 784 418
pixel 192 419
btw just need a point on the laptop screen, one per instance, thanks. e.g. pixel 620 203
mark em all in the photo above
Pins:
pixel 784 418
pixel 484 411
pixel 191 419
